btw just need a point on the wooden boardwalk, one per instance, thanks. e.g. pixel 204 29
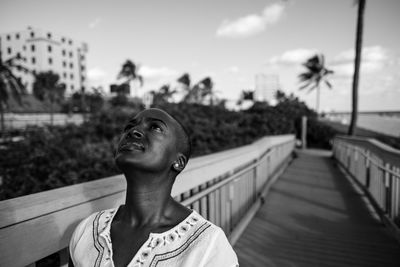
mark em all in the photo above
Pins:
pixel 314 216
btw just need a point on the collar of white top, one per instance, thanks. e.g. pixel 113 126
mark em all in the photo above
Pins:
pixel 181 228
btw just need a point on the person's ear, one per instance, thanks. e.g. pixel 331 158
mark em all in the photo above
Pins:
pixel 180 163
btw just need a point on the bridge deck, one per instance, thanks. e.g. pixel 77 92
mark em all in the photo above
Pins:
pixel 314 216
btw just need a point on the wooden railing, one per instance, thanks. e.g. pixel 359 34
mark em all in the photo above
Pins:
pixel 22 120
pixel 226 188
pixel 376 169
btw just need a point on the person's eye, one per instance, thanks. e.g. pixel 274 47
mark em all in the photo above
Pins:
pixel 156 127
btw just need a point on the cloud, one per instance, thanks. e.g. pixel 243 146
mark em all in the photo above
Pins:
pixel 373 59
pixel 157 74
pixel 96 74
pixel 293 57
pixel 233 69
pixel 251 24
pixel 93 24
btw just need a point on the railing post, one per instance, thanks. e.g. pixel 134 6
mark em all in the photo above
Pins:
pixel 388 186
pixel 64 257
pixel 348 157
pixel 367 170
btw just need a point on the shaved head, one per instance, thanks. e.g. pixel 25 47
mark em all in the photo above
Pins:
pixel 184 145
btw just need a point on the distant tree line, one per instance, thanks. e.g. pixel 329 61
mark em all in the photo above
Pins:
pixel 57 156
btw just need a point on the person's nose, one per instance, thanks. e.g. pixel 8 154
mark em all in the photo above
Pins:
pixel 137 134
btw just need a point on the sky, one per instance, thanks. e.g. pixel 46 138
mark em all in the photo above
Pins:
pixel 230 41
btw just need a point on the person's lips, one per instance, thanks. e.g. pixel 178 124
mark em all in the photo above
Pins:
pixel 131 146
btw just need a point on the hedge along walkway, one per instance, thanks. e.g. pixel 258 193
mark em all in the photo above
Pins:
pixel 314 216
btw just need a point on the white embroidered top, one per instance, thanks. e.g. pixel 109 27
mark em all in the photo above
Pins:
pixel 193 242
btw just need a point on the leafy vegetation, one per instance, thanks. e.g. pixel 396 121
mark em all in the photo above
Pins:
pixel 11 86
pixel 47 88
pixel 59 156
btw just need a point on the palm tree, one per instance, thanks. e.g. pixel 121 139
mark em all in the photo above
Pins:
pixel 10 85
pixel 246 95
pixel 47 87
pixel 316 72
pixel 129 72
pixel 163 95
pixel 185 80
pixel 198 92
pixel 360 25
pixel 206 89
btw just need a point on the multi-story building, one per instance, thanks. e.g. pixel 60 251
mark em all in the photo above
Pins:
pixel 42 51
pixel 266 86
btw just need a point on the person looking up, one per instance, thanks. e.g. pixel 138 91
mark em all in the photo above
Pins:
pixel 151 228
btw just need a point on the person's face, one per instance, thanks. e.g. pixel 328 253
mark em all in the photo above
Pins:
pixel 148 142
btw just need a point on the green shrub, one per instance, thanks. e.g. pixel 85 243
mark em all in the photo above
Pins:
pixel 51 157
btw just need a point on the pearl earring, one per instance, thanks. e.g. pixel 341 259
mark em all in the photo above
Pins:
pixel 176 165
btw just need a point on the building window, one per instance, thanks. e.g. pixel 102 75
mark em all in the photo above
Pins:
pixel 9 50
pixel 71 76
pixel 72 87
pixel 71 65
pixel 65 75
pixel 8 37
pixel 24 47
pixel 50 60
pixel 63 52
pixel 19 55
pixel 70 42
pixel 49 48
pixel 64 64
pixel 82 57
pixel 70 54
pixel 83 67
pixel 33 60
pixel 32 34
pixel 17 36
pixel 33 48
pixel 82 78
pixel 63 40
pixel 49 35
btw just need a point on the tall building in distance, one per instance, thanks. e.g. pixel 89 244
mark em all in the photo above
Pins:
pixel 46 51
pixel 266 86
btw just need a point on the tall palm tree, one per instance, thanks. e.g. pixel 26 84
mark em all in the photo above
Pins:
pixel 315 74
pixel 129 72
pixel 10 85
pixel 360 26
pixel 47 87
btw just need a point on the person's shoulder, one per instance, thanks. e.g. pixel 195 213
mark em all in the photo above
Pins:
pixel 90 222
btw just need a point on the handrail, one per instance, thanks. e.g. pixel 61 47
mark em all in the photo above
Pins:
pixel 376 169
pixel 224 187
pixel 21 120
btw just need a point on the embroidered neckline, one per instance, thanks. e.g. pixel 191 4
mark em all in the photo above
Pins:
pixel 180 228
pixel 154 240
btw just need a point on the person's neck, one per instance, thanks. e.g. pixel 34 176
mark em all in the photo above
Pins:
pixel 148 199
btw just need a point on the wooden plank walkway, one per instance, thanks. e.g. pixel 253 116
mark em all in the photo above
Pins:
pixel 314 216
